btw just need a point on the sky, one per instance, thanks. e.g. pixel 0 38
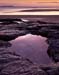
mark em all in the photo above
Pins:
pixel 54 3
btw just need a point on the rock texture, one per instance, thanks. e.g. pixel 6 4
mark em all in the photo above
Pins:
pixel 14 64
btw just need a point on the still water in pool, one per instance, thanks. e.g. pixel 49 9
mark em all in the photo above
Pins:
pixel 32 47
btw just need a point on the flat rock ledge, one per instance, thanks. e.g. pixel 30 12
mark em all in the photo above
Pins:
pixel 14 64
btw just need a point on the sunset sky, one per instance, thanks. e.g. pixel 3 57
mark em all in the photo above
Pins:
pixel 30 2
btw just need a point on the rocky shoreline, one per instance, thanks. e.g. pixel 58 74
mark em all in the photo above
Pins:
pixel 14 64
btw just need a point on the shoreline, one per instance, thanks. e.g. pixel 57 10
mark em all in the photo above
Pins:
pixel 47 18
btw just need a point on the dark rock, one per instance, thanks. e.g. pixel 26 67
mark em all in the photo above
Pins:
pixel 14 64
pixel 53 49
pixel 8 35
pixel 54 34
pixel 9 21
pixel 17 25
pixel 4 44
pixel 42 22
pixel 51 69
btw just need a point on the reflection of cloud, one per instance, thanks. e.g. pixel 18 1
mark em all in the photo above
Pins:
pixel 28 36
pixel 31 46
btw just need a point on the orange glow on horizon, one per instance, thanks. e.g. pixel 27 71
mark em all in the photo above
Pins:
pixel 30 2
pixel 26 1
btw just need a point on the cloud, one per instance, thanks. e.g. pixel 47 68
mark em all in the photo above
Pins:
pixel 30 2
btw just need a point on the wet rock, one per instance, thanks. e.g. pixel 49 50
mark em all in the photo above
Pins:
pixel 14 64
pixel 54 34
pixel 4 44
pixel 53 49
pixel 16 69
pixel 48 32
pixel 17 25
pixel 11 34
pixel 9 21
pixel 8 34
pixel 51 69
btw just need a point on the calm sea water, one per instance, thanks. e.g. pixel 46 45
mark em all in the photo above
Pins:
pixel 32 47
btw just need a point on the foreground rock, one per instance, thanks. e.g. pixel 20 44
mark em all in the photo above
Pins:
pixel 8 35
pixel 53 50
pixel 4 44
pixel 10 31
pixel 52 69
pixel 14 64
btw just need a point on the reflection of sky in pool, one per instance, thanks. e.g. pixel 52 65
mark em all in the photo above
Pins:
pixel 32 47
